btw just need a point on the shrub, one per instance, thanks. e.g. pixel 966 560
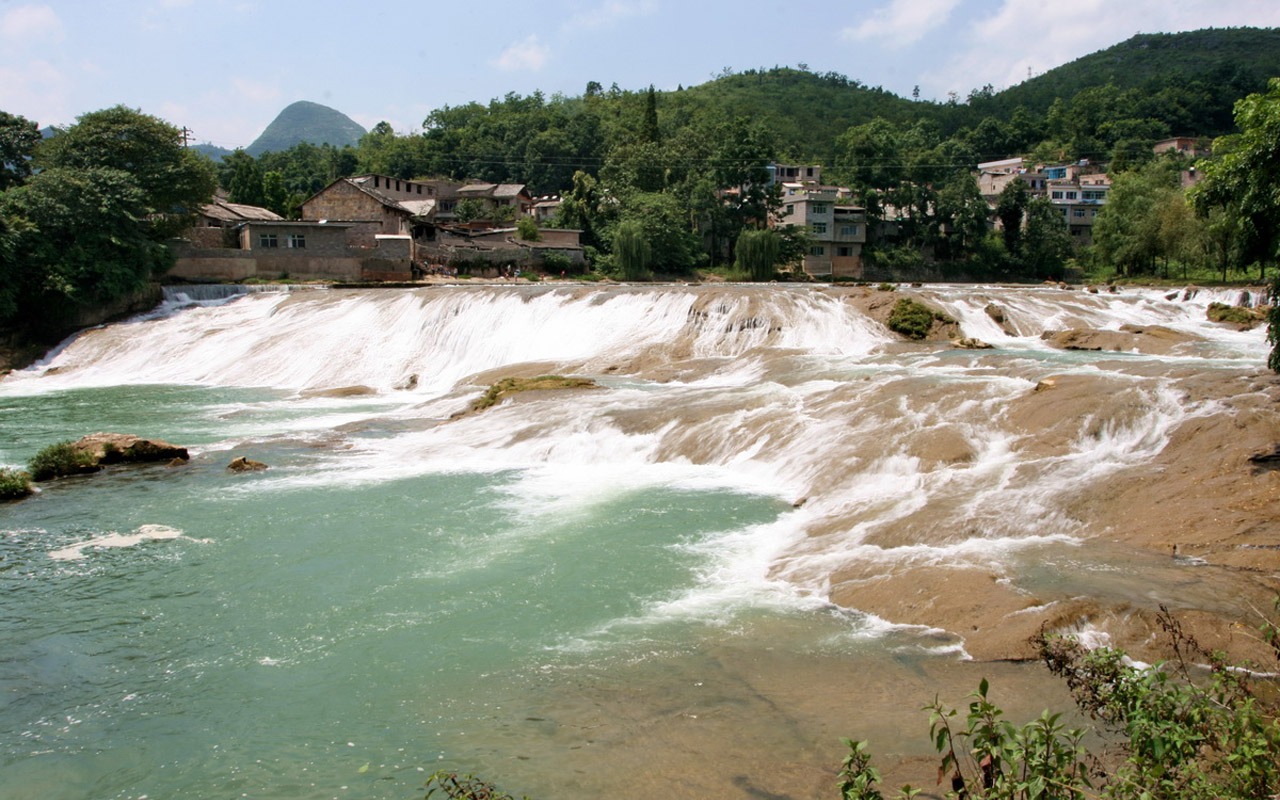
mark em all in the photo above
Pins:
pixel 554 262
pixel 1190 729
pixel 58 460
pixel 14 484
pixel 913 319
pixel 527 229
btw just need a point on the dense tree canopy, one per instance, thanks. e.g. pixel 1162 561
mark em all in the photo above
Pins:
pixel 87 226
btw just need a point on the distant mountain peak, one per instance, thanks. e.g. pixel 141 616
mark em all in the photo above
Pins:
pixel 305 121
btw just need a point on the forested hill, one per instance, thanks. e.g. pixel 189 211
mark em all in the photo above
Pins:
pixel 1207 69
pixel 805 110
pixel 1187 82
pixel 304 121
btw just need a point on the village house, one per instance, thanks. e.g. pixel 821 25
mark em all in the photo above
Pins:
pixel 369 228
pixel 1076 190
pixel 837 230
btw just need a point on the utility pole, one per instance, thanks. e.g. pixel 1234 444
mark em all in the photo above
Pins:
pixel 186 135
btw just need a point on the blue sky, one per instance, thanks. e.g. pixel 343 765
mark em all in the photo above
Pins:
pixel 225 68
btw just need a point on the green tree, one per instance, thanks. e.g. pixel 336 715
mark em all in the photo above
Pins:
pixel 1127 231
pixel 18 139
pixel 242 178
pixel 1011 208
pixel 1243 176
pixel 757 253
pixel 1046 242
pixel 674 249
pixel 276 196
pixel 631 251
pixel 84 241
pixel 173 181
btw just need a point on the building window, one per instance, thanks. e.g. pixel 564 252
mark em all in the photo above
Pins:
pixel 297 240
pixel 820 208
pixel 1056 195
pixel 790 209
pixel 809 172
pixel 375 181
pixel 817 250
pixel 419 190
pixel 819 227
pixel 844 252
pixel 1093 195
pixel 1071 195
pixel 848 230
pixel 1079 212
pixel 268 240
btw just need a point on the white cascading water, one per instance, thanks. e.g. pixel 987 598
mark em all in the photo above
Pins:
pixel 786 391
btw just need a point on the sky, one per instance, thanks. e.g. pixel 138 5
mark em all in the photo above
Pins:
pixel 225 68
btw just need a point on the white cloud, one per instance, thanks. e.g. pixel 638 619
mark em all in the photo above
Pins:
pixel 30 24
pixel 902 22
pixel 610 13
pixel 1024 35
pixel 527 54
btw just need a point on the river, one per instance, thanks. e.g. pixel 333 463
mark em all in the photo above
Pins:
pixel 773 525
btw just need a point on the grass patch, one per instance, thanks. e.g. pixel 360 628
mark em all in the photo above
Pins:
pixel 913 319
pixel 509 386
pixel 14 484
pixel 59 460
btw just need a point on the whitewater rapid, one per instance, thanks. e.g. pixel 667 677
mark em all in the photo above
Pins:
pixel 894 455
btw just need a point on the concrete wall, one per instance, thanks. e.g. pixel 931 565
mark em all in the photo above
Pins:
pixel 354 264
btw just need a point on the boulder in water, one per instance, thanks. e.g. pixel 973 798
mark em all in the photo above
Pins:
pixel 969 343
pixel 242 464
pixel 124 448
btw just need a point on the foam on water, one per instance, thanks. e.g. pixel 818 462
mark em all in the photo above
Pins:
pixel 144 533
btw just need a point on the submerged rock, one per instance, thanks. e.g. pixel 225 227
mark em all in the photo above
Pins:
pixel 509 386
pixel 242 464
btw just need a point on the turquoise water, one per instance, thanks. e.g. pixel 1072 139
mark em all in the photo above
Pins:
pixel 292 633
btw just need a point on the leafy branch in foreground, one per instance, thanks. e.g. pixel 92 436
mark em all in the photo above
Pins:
pixel 1192 728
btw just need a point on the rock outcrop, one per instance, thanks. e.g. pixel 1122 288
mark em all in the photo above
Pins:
pixel 1150 339
pixel 102 449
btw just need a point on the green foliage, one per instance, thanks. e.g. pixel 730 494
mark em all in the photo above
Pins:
pixel 913 319
pixel 554 262
pixel 59 460
pixel 172 180
pixel 757 253
pixel 1186 734
pixel 1242 177
pixel 632 252
pixel 1189 729
pixel 527 229
pixel 18 139
pixel 14 484
pixel 83 240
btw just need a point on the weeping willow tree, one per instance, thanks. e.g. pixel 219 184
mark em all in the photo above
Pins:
pixel 631 251
pixel 757 253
